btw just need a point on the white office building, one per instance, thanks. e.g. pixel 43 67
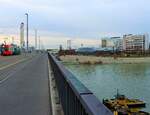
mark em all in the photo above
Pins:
pixel 135 42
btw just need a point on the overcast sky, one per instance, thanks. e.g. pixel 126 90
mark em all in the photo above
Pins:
pixel 77 18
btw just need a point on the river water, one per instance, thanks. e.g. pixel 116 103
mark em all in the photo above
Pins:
pixel 132 80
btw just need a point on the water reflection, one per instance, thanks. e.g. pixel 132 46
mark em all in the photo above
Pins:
pixel 83 69
pixel 134 70
pixel 133 80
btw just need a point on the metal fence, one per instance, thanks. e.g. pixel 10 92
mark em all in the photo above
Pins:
pixel 75 98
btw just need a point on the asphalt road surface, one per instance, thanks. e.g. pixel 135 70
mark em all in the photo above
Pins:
pixel 24 88
pixel 6 60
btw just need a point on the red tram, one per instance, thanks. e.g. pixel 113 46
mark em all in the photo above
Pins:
pixel 6 50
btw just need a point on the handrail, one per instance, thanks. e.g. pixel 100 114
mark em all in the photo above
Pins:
pixel 75 98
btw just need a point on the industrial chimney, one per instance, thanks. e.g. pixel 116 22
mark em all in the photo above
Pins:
pixel 22 42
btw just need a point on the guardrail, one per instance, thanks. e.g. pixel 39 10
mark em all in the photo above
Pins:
pixel 75 98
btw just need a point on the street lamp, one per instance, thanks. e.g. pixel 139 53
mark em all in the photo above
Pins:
pixel 35 39
pixel 27 31
pixel 39 43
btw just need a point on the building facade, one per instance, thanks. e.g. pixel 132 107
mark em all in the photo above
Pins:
pixel 107 43
pixel 115 43
pixel 119 44
pixel 135 42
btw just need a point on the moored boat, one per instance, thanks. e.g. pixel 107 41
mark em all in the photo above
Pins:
pixel 121 105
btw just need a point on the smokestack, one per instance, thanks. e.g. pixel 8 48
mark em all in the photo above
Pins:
pixel 22 42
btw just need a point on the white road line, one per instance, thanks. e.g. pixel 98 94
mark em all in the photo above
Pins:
pixel 6 66
pixel 9 75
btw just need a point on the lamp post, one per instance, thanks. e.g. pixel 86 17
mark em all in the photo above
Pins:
pixel 39 43
pixel 27 31
pixel 35 39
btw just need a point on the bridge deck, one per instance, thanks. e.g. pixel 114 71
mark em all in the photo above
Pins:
pixel 24 88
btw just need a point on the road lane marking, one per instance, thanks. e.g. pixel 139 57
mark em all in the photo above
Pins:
pixel 6 66
pixel 6 77
pixel 10 74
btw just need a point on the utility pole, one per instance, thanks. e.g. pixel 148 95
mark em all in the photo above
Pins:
pixel 12 40
pixel 39 43
pixel 35 38
pixel 69 44
pixel 27 32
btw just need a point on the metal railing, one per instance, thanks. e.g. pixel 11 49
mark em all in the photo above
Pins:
pixel 75 98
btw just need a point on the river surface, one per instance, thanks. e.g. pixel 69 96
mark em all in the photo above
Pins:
pixel 132 80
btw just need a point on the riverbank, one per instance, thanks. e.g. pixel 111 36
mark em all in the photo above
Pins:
pixel 78 59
